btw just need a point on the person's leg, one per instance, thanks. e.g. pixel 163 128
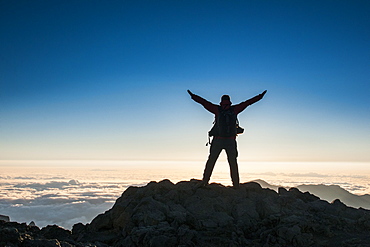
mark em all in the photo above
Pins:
pixel 214 152
pixel 232 154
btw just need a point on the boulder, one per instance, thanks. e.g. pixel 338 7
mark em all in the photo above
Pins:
pixel 10 235
pixel 56 232
pixel 4 218
pixel 42 243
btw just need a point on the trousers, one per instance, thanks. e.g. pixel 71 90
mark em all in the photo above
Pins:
pixel 217 146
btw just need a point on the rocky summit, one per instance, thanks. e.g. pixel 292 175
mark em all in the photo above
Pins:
pixel 186 214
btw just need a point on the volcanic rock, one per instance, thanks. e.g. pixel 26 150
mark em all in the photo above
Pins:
pixel 186 214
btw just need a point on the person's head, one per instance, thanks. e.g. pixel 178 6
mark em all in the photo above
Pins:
pixel 225 100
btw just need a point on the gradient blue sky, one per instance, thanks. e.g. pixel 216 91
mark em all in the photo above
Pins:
pixel 108 79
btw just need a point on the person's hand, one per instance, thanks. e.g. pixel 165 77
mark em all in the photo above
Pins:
pixel 191 94
pixel 263 93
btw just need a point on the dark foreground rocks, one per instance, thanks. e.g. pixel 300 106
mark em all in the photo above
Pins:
pixel 184 214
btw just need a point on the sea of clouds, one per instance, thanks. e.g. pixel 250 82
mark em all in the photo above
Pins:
pixel 57 201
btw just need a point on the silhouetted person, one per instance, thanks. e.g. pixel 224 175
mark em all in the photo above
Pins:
pixel 224 136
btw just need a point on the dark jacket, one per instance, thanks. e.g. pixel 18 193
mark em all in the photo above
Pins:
pixel 225 104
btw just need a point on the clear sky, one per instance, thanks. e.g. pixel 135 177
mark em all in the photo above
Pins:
pixel 108 79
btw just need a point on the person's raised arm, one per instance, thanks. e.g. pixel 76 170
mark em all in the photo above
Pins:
pixel 241 106
pixel 205 103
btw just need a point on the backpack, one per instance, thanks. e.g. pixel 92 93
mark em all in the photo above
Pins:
pixel 226 124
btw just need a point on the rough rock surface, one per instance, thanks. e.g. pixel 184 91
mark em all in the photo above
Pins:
pixel 4 218
pixel 184 214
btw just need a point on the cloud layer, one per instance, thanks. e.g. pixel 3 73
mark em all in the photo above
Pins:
pixel 64 203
